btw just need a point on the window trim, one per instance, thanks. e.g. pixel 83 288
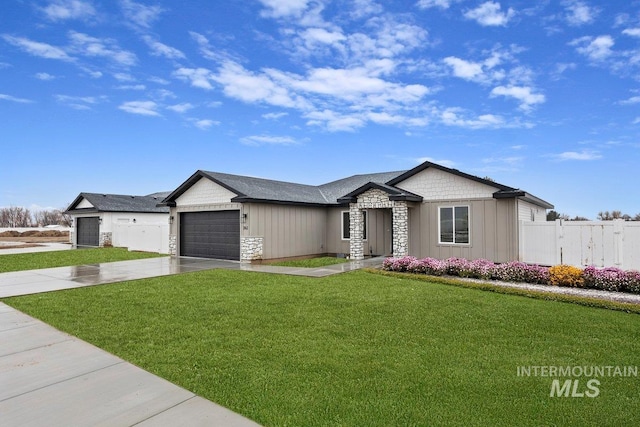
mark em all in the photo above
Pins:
pixel 366 225
pixel 453 212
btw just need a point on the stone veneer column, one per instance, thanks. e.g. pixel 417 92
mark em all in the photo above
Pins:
pixel 173 244
pixel 356 246
pixel 251 248
pixel 400 229
pixel 105 239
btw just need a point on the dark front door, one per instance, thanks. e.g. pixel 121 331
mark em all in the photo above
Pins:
pixel 210 234
pixel 88 229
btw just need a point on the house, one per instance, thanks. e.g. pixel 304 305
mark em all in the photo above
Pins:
pixel 134 222
pixel 430 210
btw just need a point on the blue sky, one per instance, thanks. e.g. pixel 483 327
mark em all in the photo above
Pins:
pixel 132 97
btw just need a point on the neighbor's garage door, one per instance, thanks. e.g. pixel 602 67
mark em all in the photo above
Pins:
pixel 88 230
pixel 213 234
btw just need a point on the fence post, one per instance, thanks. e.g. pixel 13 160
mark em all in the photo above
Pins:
pixel 618 243
pixel 559 241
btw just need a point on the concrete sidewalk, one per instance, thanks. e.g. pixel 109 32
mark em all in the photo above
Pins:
pixel 49 378
pixel 52 379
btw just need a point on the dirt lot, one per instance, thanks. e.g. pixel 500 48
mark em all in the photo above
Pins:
pixel 27 239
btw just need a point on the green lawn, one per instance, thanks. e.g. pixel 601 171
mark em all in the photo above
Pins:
pixel 311 262
pixel 357 349
pixel 36 260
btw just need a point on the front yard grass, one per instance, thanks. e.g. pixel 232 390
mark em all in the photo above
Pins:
pixel 37 260
pixel 357 349
pixel 311 262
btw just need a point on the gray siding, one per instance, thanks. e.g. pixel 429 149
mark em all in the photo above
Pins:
pixel 378 240
pixel 493 231
pixel 288 231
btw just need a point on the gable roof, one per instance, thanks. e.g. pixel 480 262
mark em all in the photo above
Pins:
pixel 393 192
pixel 251 189
pixel 120 203
pixel 339 192
pixel 504 191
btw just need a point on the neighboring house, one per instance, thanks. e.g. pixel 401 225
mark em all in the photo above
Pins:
pixel 134 222
pixel 429 210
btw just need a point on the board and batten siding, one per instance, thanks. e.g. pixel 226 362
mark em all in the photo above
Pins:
pixel 287 230
pixel 493 231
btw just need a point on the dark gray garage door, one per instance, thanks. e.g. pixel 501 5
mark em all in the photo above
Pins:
pixel 88 230
pixel 214 234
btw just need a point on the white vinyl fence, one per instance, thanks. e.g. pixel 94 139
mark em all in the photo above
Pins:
pixel 142 237
pixel 581 243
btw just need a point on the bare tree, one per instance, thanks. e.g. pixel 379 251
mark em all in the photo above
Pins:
pixel 15 216
pixel 48 217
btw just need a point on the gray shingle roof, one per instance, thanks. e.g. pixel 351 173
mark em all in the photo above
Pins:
pixel 121 203
pixel 279 191
pixel 250 189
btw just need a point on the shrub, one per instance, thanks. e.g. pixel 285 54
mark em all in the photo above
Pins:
pixel 610 279
pixel 566 275
pixel 398 264
pixel 633 282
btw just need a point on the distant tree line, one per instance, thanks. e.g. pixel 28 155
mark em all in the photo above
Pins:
pixel 18 217
pixel 602 216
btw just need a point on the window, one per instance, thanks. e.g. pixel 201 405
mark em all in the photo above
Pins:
pixel 346 229
pixel 454 225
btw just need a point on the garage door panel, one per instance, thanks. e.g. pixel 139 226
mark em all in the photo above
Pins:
pixel 88 230
pixel 211 234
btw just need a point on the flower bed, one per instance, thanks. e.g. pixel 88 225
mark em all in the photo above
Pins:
pixel 608 279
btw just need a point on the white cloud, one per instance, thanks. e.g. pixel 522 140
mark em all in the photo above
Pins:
pixel 34 48
pixel 596 49
pixel 139 14
pixel 79 102
pixel 180 108
pixel 144 108
pixel 60 10
pixel 131 87
pixel 161 49
pixel 466 70
pixel 320 35
pixel 284 8
pixel 205 47
pixel 633 32
pixel 204 124
pixel 274 116
pixel 442 4
pixel 14 99
pixel 335 122
pixel 256 140
pixel 362 8
pixel 523 94
pixel 104 48
pixel 198 77
pixel 490 14
pixel 579 13
pixel 44 76
pixel 452 117
pixel 124 77
pixel 630 101
pixel 249 87
pixel 584 155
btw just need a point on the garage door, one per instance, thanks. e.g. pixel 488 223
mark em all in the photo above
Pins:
pixel 213 234
pixel 88 231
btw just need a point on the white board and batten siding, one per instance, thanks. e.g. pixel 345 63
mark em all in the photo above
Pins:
pixel 581 243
